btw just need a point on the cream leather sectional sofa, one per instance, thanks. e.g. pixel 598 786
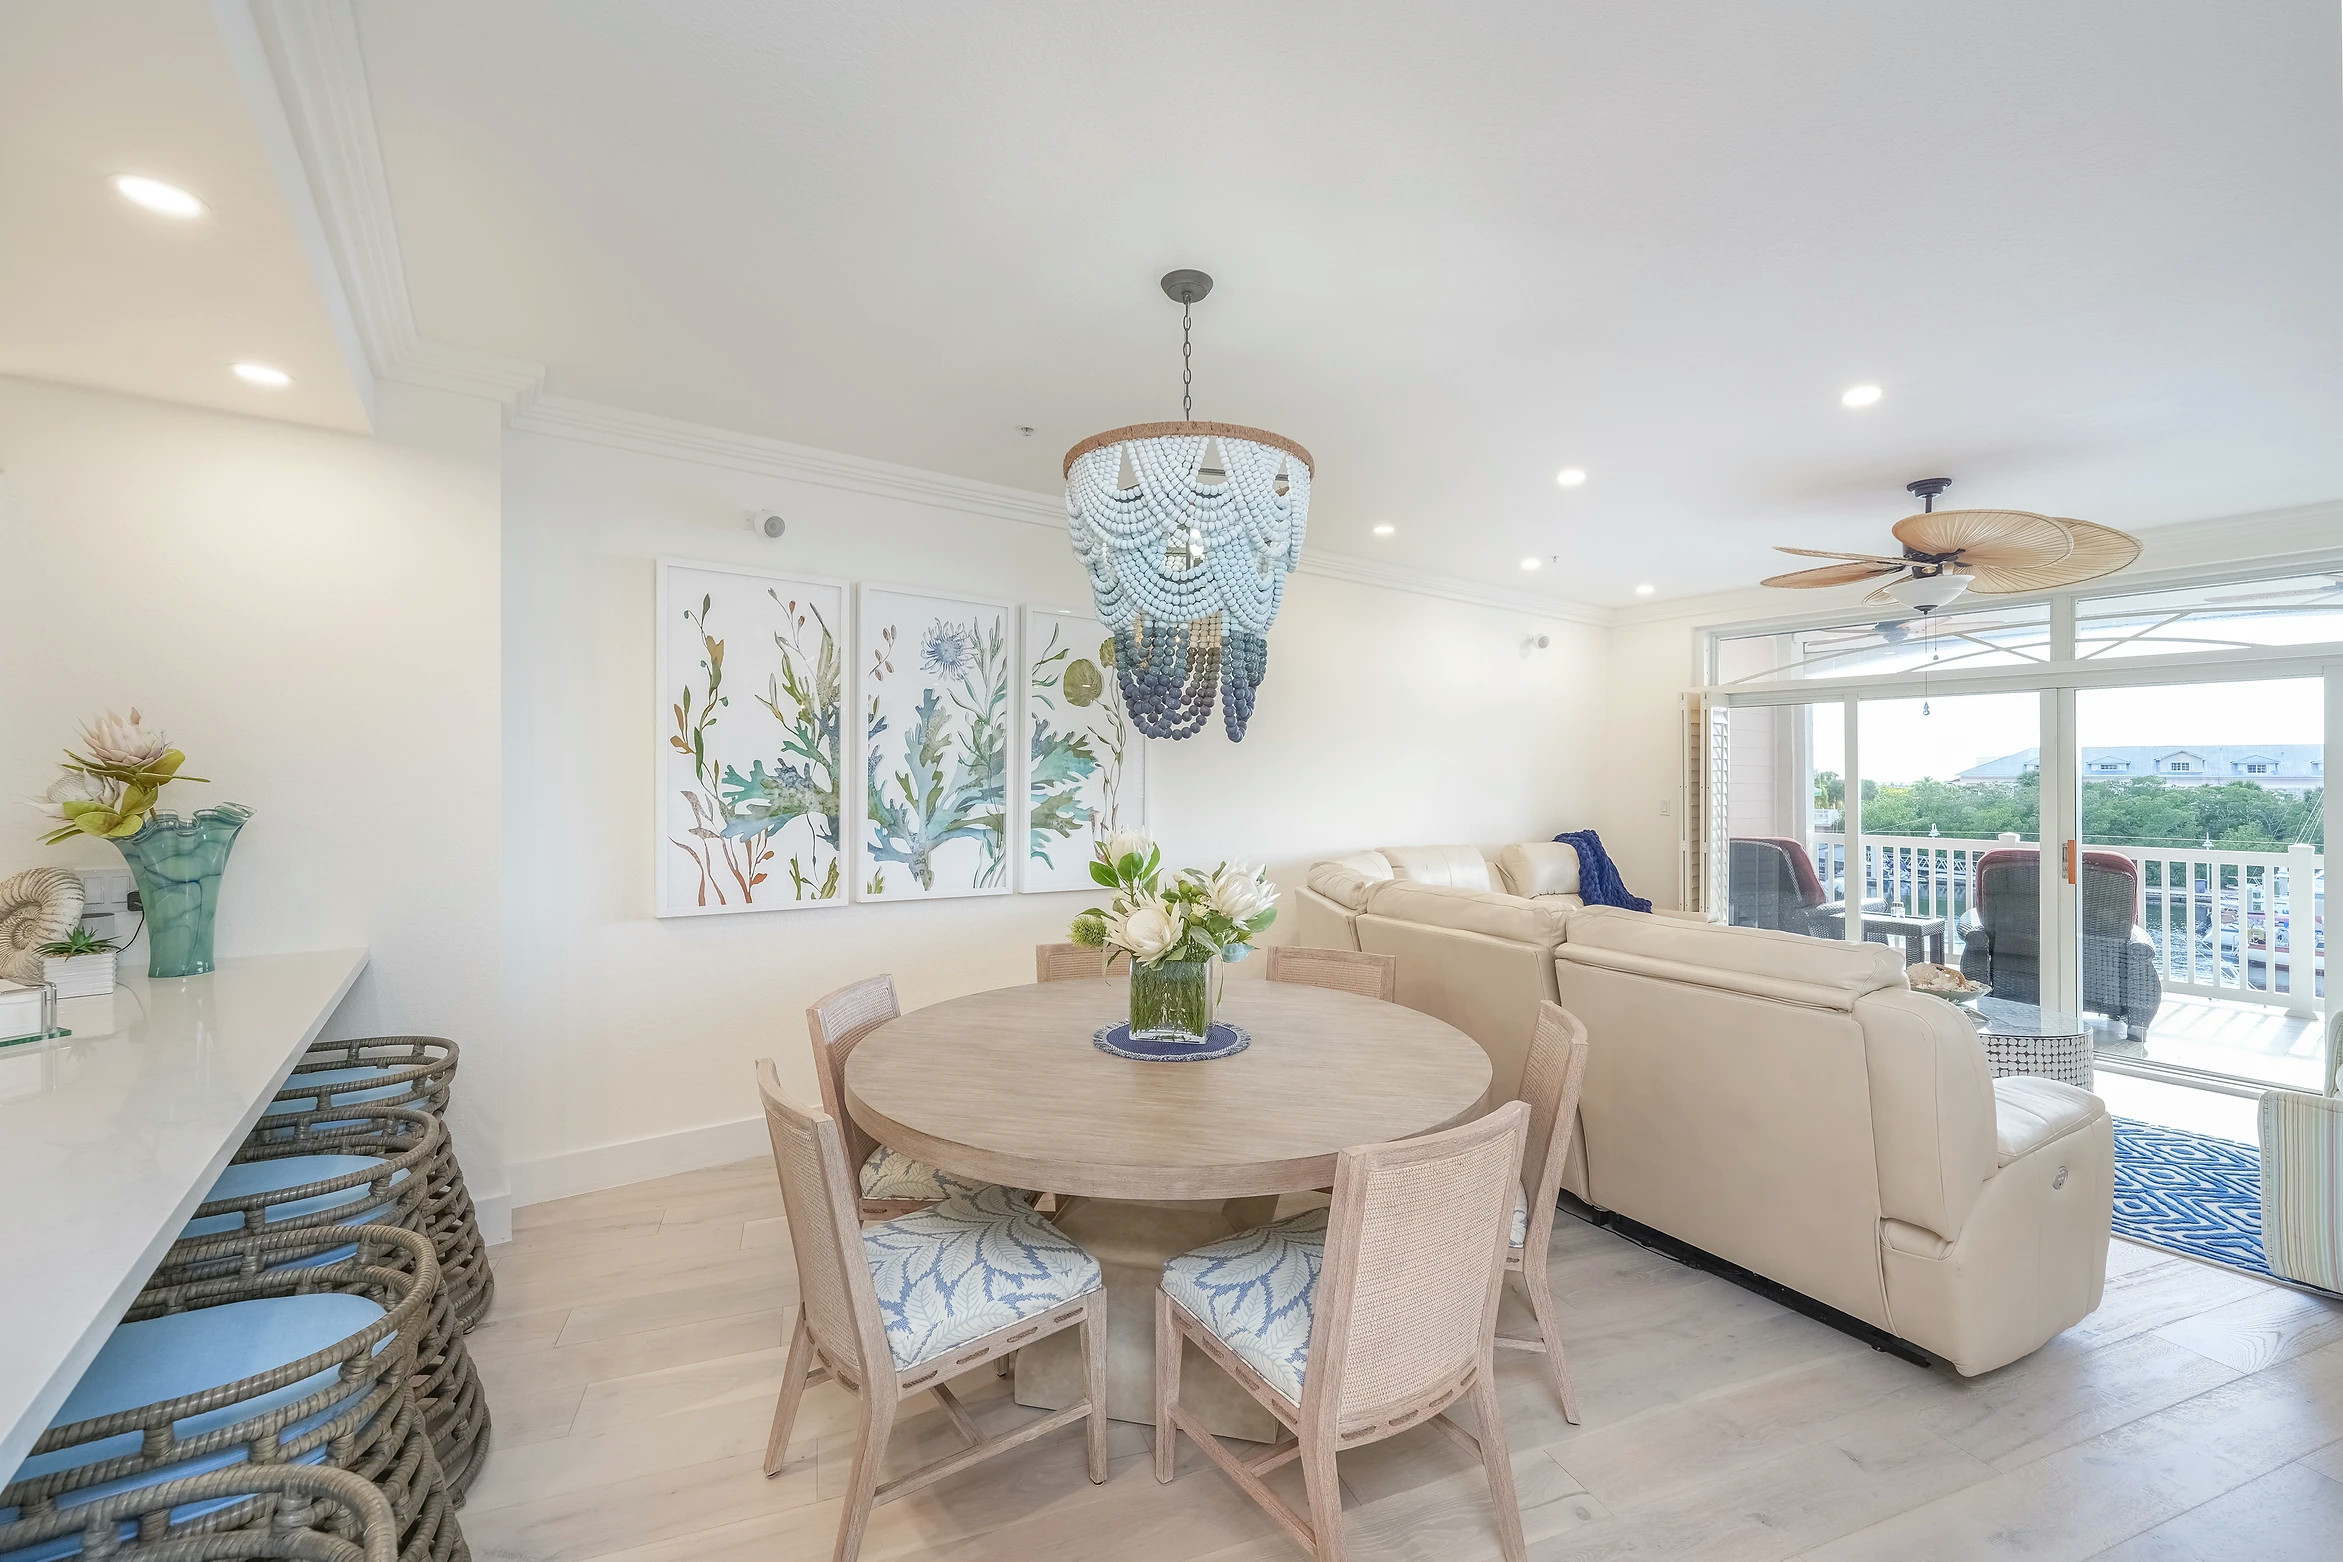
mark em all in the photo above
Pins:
pixel 1785 1103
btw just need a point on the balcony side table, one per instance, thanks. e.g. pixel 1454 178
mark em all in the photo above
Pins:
pixel 2023 1038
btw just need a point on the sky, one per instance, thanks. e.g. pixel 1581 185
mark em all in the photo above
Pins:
pixel 1901 744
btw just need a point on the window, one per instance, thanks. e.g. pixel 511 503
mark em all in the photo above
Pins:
pixel 2180 765
pixel 2257 770
pixel 2294 610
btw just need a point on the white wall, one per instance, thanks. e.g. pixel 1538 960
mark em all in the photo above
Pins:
pixel 1385 718
pixel 313 617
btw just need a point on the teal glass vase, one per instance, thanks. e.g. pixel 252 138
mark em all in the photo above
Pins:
pixel 177 863
pixel 1171 1000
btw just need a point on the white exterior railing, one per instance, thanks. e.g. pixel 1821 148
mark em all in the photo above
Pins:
pixel 2226 924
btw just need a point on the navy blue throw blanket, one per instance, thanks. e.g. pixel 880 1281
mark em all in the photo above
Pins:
pixel 1598 876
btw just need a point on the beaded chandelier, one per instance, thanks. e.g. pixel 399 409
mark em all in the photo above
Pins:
pixel 1188 531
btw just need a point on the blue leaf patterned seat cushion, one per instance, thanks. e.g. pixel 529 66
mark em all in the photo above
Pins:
pixel 979 1261
pixel 1520 1215
pixel 1255 1291
pixel 890 1174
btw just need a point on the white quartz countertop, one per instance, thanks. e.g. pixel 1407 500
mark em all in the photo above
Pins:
pixel 110 1137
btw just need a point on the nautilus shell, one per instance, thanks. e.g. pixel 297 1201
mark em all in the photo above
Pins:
pixel 37 906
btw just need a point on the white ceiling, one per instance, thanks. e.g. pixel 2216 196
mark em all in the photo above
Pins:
pixel 95 291
pixel 2092 250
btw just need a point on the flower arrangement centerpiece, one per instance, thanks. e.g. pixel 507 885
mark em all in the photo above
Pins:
pixel 1176 933
pixel 108 792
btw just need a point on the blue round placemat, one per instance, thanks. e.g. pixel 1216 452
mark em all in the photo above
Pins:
pixel 1221 1041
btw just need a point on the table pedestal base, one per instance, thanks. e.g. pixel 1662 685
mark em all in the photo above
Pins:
pixel 1131 1241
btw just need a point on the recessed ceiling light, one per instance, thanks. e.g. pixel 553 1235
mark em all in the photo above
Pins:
pixel 167 200
pixel 1531 563
pixel 1570 476
pixel 1861 396
pixel 262 375
pixel 1644 590
pixel 1385 531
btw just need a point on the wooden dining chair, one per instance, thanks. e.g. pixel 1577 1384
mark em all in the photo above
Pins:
pixel 1344 970
pixel 890 1182
pixel 1550 1082
pixel 1065 962
pixel 889 1310
pixel 1353 1323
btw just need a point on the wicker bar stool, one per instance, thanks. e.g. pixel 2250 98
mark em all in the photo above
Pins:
pixel 308 1512
pixel 370 1168
pixel 305 1363
pixel 417 1072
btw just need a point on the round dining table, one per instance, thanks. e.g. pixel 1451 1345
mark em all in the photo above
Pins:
pixel 1149 1160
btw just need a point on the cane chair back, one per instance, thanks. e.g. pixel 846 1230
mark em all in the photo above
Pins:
pixel 838 1022
pixel 1067 962
pixel 1551 1078
pixel 1343 970
pixel 825 1231
pixel 1415 1252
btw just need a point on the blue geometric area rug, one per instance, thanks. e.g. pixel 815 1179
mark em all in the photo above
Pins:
pixel 2190 1194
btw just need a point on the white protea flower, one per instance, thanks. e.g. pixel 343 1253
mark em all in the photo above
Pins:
pixel 1149 930
pixel 1127 843
pixel 1239 892
pixel 111 741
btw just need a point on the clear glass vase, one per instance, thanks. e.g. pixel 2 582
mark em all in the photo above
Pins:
pixel 1171 1000
pixel 177 863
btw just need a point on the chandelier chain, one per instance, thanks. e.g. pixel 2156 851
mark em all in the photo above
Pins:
pixel 1187 370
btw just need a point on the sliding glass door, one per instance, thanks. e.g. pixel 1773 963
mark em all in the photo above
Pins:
pixel 2201 880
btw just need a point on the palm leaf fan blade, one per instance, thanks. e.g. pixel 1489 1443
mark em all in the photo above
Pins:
pixel 1833 553
pixel 1832 575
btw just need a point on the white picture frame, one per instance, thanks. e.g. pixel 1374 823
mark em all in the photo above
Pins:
pixel 772 625
pixel 935 727
pixel 1083 758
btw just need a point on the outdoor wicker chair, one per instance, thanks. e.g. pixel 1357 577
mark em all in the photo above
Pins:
pixel 306 1512
pixel 968 1314
pixel 417 1072
pixel 368 1168
pixel 1550 1081
pixel 1343 970
pixel 308 1362
pixel 2001 937
pixel 1354 1323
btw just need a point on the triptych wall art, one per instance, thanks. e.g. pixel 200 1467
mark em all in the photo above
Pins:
pixel 819 743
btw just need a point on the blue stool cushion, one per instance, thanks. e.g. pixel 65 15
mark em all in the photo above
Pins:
pixel 350 1207
pixel 1256 1291
pixel 972 1264
pixel 186 1353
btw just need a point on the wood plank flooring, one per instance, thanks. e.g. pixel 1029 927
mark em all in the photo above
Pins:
pixel 636 1346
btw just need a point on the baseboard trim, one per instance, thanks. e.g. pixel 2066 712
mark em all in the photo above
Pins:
pixel 495 1216
pixel 634 1160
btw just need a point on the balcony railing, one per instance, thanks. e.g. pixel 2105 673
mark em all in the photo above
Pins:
pixel 2226 924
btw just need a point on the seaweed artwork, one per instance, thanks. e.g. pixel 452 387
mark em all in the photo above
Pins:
pixel 936 726
pixel 752 798
pixel 1083 776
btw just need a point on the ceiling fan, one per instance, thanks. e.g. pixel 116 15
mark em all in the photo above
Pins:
pixel 1992 552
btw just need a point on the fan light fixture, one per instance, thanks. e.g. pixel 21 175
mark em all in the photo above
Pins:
pixel 1188 531
pixel 1992 552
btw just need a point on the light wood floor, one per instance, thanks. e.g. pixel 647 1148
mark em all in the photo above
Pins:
pixel 635 1349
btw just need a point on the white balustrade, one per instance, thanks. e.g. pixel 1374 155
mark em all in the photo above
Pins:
pixel 2247 926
